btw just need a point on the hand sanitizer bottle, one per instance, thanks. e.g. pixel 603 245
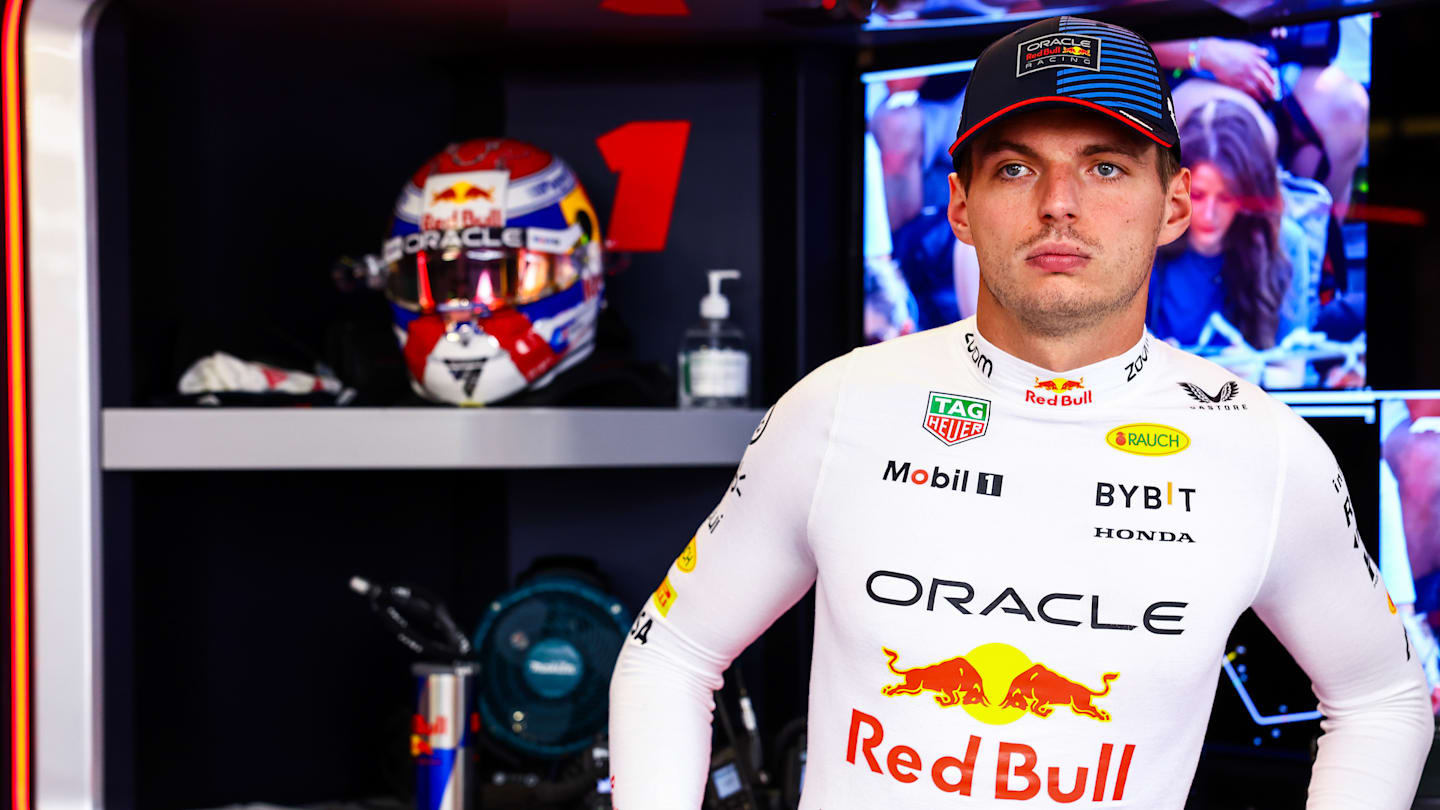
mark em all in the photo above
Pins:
pixel 714 364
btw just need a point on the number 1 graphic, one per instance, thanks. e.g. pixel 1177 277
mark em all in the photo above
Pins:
pixel 647 155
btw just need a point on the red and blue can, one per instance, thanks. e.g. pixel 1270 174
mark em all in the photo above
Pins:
pixel 440 735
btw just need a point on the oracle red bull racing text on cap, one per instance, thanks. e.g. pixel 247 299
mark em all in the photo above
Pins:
pixel 1070 61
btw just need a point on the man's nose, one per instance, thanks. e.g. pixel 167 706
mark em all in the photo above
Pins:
pixel 1059 198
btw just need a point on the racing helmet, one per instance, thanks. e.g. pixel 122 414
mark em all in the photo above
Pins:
pixel 493 270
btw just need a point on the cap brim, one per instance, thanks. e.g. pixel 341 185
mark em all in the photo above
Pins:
pixel 1055 101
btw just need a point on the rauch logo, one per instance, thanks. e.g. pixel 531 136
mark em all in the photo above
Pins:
pixel 1147 439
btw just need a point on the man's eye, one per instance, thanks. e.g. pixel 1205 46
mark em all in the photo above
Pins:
pixel 1012 170
pixel 1107 170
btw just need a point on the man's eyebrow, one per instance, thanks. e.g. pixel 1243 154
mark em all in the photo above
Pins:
pixel 993 147
pixel 1111 148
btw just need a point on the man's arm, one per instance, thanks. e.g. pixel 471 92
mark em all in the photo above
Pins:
pixel 748 563
pixel 1323 598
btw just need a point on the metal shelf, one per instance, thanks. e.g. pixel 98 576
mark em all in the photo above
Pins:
pixel 420 438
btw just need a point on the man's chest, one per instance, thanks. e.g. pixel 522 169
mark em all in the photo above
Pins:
pixel 1045 527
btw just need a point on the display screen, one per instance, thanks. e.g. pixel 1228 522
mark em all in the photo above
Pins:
pixel 726 780
pixel 1269 281
pixel 908 14
pixel 1410 521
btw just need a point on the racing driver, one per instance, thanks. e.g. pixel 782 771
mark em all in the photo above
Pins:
pixel 1030 532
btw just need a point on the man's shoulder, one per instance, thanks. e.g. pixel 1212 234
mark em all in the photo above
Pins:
pixel 919 350
pixel 1210 384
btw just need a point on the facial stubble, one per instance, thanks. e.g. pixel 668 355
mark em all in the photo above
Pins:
pixel 1057 313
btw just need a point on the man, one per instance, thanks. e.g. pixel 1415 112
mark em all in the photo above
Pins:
pixel 1031 532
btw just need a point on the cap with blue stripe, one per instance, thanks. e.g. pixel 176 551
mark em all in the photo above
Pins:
pixel 1070 61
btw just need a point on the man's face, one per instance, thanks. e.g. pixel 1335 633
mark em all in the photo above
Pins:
pixel 1065 210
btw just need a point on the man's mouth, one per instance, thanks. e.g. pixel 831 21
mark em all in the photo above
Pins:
pixel 1057 257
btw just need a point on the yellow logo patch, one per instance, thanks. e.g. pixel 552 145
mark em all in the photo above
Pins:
pixel 686 561
pixel 665 597
pixel 1147 439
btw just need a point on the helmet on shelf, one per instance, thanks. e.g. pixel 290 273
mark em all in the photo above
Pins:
pixel 494 271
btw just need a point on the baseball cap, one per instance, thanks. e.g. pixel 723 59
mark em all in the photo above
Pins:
pixel 1070 61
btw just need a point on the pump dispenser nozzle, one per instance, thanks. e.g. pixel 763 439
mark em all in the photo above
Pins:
pixel 714 365
pixel 716 306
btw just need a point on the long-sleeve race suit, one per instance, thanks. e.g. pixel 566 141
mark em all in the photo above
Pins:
pixel 1024 585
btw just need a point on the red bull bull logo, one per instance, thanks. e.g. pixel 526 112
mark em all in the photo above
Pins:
pixel 1059 384
pixel 954 681
pixel 462 192
pixel 1040 689
pixel 1060 389
pixel 1017 686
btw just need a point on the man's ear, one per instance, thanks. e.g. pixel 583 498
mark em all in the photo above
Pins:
pixel 1177 208
pixel 959 212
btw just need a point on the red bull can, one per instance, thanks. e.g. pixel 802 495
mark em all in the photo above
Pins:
pixel 440 735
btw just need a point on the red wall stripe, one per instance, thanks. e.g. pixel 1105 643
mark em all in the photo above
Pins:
pixel 17 434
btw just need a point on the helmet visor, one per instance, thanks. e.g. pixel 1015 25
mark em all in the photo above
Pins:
pixel 479 279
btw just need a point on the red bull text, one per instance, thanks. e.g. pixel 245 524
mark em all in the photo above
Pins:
pixel 1017 767
pixel 1060 392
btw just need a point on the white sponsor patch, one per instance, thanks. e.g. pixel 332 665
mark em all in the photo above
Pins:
pixel 457 200
pixel 1057 51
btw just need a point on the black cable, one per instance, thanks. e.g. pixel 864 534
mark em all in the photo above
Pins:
pixel 417 618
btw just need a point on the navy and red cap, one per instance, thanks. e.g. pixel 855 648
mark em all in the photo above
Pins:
pixel 1070 61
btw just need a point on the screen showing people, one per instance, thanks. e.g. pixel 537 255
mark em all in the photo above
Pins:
pixel 1410 521
pixel 1269 281
pixel 893 14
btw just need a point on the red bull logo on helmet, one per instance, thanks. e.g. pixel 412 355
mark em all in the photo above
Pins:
pixel 455 200
pixel 998 684
pixel 463 192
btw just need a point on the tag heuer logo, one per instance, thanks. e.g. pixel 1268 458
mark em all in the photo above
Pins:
pixel 953 419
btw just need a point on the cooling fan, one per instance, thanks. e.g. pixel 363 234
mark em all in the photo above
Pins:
pixel 546 651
